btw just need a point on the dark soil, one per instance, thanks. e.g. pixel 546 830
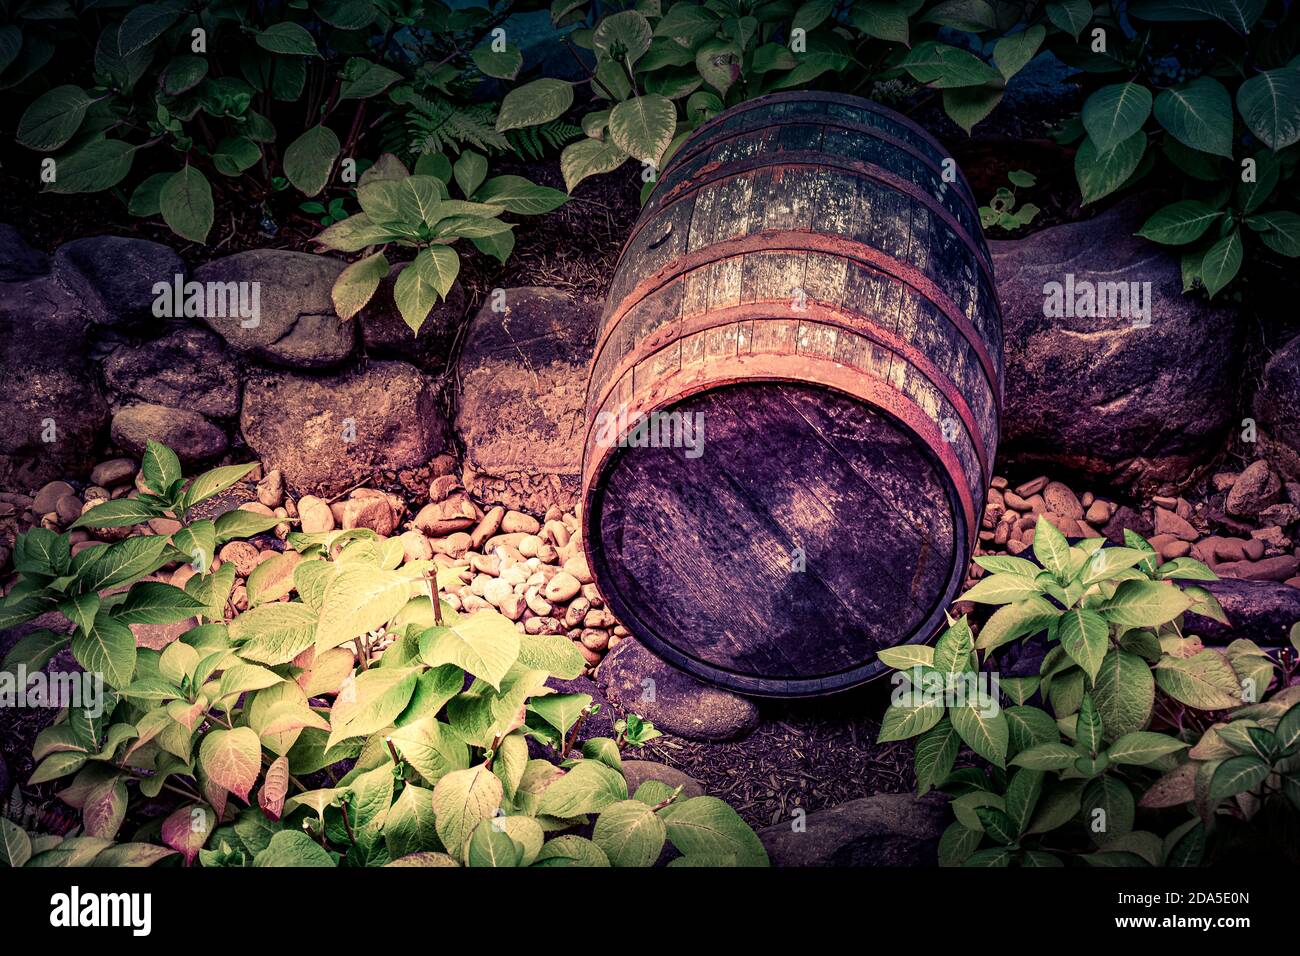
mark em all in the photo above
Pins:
pixel 809 754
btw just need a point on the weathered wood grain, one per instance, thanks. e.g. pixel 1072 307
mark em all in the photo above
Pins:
pixel 805 280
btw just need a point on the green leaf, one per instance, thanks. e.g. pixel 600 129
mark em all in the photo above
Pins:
pixel 431 748
pixel 1003 588
pixel 1279 230
pixel 1238 775
pixel 1070 15
pixel 643 126
pixel 1046 756
pixel 997 825
pixel 1238 14
pixel 706 826
pixel 462 800
pixel 1086 638
pixel 589 787
pixel 484 644
pixel 1269 102
pixel 589 157
pixel 34 650
pixel 213 482
pixel 154 602
pixel 941 66
pixel 571 850
pixel 630 833
pixel 160 468
pixel 273 633
pixel 108 649
pixel 1112 795
pixel 971 105
pixel 881 19
pixel 309 159
pixel 1115 113
pixel 1221 262
pixel 363 79
pixel 935 753
pixel 235 154
pixel 986 734
pixel 1198 114
pixel 688 23
pixel 290 39
pixel 1142 748
pixel 490 845
pixel 15 844
pixel 561 711
pixel 516 194
pixel 53 118
pixel 1205 681
pixel 356 284
pixel 906 656
pixel 1144 603
pixel 373 702
pixel 1051 549
pixel 1016 620
pixel 186 204
pixel 470 171
pixel 902 721
pixel 1012 53
pixel 293 848
pixel 99 164
pixel 1101 172
pixel 359 600
pixel 500 64
pixel 534 103
pixel 144 24
pixel 1088 727
pixel 1180 223
pixel 811 14
pixel 622 37
pixel 423 282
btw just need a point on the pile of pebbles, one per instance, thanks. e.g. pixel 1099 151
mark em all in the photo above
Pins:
pixel 1247 527
pixel 531 570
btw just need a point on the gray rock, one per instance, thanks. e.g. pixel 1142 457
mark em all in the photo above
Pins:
pixel 115 276
pixel 1277 408
pixel 1262 611
pixel 1254 490
pixel 1137 407
pixel 296 325
pixel 520 408
pixel 19 261
pixel 637 772
pixel 679 703
pixel 194 439
pixel 326 433
pixel 49 388
pixel 886 829
pixel 384 333
pixel 186 368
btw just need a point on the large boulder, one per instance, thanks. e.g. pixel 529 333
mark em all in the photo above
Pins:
pixel 19 261
pixel 53 412
pixel 1277 408
pixel 635 680
pixel 187 368
pixel 885 829
pixel 326 433
pixel 115 276
pixel 1135 403
pixel 385 334
pixel 194 439
pixel 520 406
pixel 1262 611
pixel 296 325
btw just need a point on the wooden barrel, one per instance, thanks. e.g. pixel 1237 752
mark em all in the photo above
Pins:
pixel 793 404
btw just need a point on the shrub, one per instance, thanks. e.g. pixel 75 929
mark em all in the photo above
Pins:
pixel 1127 715
pixel 1207 97
pixel 416 212
pixel 413 720
pixel 662 69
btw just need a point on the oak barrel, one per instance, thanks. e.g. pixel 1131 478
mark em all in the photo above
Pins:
pixel 794 399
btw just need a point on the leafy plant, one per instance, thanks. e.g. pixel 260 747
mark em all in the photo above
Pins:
pixel 1128 715
pixel 662 69
pixel 345 670
pixel 1001 212
pixel 416 212
pixel 330 214
pixel 1205 96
